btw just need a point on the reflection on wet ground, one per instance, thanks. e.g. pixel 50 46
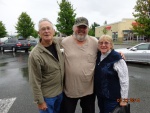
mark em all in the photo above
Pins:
pixel 14 82
pixel 10 60
pixel 13 63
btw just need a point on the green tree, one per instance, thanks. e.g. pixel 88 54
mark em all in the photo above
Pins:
pixel 3 32
pixel 92 29
pixel 56 33
pixel 35 33
pixel 105 30
pixel 66 18
pixel 25 26
pixel 142 18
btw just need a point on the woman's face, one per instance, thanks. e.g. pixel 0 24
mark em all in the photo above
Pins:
pixel 104 46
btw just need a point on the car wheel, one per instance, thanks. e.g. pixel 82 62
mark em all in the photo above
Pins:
pixel 14 49
pixel 26 50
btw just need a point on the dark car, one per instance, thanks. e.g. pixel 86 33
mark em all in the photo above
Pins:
pixel 33 42
pixel 0 45
pixel 15 44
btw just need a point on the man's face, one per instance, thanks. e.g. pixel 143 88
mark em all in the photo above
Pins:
pixel 46 31
pixel 81 32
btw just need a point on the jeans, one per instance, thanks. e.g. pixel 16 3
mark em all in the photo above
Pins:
pixel 53 104
pixel 106 105
pixel 87 104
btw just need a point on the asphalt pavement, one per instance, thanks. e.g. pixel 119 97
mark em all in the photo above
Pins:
pixel 16 95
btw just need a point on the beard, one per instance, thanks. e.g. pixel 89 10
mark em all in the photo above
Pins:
pixel 80 38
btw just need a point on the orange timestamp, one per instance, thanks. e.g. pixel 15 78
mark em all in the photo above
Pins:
pixel 128 100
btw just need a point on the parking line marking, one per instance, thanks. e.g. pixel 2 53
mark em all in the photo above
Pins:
pixel 5 104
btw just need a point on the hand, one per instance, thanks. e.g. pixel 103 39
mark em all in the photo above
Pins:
pixel 42 106
pixel 123 103
pixel 122 55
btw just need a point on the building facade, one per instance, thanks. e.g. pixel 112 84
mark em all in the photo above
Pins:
pixel 120 31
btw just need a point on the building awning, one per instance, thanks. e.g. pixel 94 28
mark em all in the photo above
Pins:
pixel 134 23
pixel 108 27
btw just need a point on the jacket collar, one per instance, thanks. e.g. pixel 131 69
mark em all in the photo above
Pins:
pixel 42 48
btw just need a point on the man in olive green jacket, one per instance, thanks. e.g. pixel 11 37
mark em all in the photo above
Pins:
pixel 46 70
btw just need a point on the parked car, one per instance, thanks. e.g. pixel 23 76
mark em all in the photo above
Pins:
pixel 15 44
pixel 138 53
pixel 0 45
pixel 33 42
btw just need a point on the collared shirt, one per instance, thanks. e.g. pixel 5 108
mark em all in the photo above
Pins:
pixel 122 70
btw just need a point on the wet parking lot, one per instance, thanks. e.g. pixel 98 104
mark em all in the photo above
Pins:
pixel 14 84
pixel 16 95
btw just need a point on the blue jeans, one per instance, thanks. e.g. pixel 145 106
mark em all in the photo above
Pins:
pixel 53 104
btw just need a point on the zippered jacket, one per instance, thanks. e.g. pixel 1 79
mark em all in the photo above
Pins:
pixel 45 72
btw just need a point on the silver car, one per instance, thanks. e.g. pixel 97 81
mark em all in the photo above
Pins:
pixel 137 53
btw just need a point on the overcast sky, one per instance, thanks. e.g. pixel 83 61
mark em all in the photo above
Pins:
pixel 97 11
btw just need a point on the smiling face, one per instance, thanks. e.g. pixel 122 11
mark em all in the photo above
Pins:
pixel 105 44
pixel 46 32
pixel 80 32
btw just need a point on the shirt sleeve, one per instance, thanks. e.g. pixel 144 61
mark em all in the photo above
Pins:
pixel 122 70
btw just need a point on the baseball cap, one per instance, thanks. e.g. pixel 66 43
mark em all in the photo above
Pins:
pixel 81 21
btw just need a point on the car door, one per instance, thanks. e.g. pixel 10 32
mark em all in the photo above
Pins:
pixel 5 45
pixel 139 53
pixel 148 54
pixel 9 44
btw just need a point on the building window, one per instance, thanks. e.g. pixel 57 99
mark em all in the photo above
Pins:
pixel 115 36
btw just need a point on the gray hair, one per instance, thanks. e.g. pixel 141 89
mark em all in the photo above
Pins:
pixel 108 38
pixel 45 19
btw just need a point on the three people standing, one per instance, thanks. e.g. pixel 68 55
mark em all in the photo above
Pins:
pixel 46 70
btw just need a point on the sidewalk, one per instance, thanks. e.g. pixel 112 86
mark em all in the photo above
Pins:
pixel 129 42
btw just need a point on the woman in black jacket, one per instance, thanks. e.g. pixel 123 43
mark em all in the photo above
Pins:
pixel 111 80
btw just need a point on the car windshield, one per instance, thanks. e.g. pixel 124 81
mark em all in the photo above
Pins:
pixel 32 40
pixel 23 41
pixel 143 47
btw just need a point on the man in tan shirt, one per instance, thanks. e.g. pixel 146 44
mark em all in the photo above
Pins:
pixel 80 52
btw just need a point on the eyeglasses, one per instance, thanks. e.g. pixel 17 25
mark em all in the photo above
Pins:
pixel 46 28
pixel 82 27
pixel 105 43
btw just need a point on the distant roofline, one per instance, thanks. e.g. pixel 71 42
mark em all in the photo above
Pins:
pixel 117 22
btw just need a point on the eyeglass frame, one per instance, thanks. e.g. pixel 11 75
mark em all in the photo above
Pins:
pixel 105 43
